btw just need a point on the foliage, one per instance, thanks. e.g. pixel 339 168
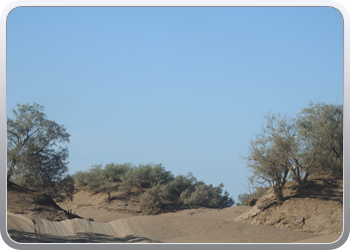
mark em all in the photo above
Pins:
pixel 145 175
pixel 35 157
pixel 295 148
pixel 159 187
pixel 245 197
pixel 206 196
pixel 154 200
pixel 271 152
pixel 96 179
pixel 81 178
pixel 183 190
pixel 129 179
pixel 114 171
pixel 321 131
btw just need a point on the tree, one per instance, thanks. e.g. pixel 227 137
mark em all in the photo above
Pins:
pixel 311 143
pixel 270 154
pixel 321 135
pixel 114 171
pixel 34 151
pixel 243 199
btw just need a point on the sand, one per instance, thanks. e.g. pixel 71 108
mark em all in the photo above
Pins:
pixel 187 226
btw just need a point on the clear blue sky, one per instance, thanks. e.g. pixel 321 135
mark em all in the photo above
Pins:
pixel 185 87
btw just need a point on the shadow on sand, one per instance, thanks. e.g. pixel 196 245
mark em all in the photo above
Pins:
pixel 26 237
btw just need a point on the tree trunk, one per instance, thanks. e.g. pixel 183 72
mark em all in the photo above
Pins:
pixel 278 194
pixel 10 171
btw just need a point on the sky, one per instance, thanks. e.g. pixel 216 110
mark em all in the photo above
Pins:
pixel 186 87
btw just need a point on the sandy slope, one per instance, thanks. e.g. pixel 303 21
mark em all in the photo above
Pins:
pixel 187 226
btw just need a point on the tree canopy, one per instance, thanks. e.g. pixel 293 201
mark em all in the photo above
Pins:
pixel 309 144
pixel 35 156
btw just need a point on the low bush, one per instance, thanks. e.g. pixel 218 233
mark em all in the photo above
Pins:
pixel 184 190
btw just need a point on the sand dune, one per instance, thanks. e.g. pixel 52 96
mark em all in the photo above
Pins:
pixel 187 226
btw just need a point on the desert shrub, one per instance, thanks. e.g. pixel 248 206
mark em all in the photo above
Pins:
pixel 114 171
pixel 128 179
pixel 159 175
pixel 180 184
pixel 154 200
pixel 96 178
pixel 152 174
pixel 183 190
pixel 243 199
pixel 81 179
pixel 206 196
pixel 258 192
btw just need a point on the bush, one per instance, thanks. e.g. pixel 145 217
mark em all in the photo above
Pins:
pixel 206 196
pixel 81 179
pixel 159 175
pixel 145 173
pixel 183 190
pixel 128 179
pixel 96 178
pixel 244 198
pixel 114 171
pixel 154 200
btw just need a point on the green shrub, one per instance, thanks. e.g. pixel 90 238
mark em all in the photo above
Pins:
pixel 206 196
pixel 128 180
pixel 114 171
pixel 183 190
pixel 159 175
pixel 244 198
pixel 81 179
pixel 154 200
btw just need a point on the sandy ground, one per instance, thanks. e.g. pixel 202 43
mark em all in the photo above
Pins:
pixel 187 226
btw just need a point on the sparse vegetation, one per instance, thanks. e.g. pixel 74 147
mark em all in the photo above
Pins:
pixel 295 148
pixel 157 187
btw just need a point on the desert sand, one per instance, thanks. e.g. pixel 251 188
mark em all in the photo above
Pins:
pixel 312 214
pixel 199 225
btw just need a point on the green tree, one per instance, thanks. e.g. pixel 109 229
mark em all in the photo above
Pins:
pixel 34 151
pixel 311 143
pixel 129 179
pixel 271 153
pixel 114 171
pixel 321 134
pixel 243 199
